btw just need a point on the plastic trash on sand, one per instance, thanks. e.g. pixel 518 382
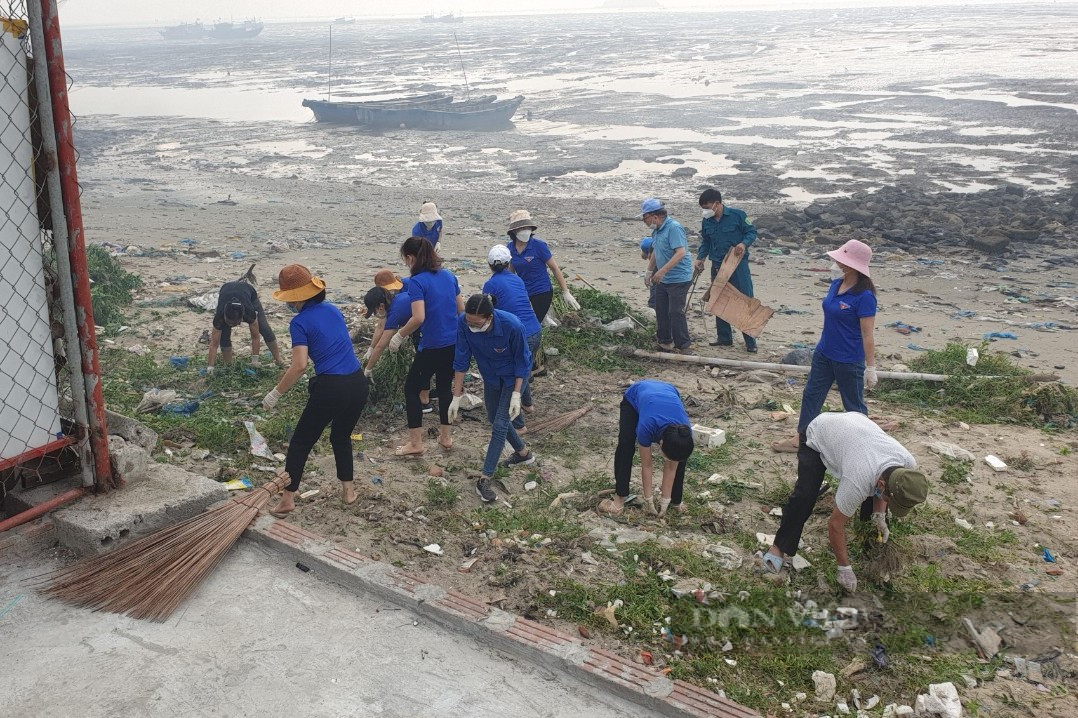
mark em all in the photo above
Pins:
pixel 972 356
pixel 259 447
pixel 619 325
pixel 995 462
pixel 207 302
pixel 239 484
pixel 993 336
pixel 154 399
pixel 179 362
pixel 180 408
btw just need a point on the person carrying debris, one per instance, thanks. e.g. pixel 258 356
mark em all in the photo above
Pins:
pixel 722 229
pixel 670 268
pixel 495 339
pixel 336 394
pixel 390 303
pixel 510 295
pixel 651 413
pixel 436 302
pixel 237 303
pixel 646 248
pixel 429 226
pixel 846 352
pixel 531 257
pixel 875 473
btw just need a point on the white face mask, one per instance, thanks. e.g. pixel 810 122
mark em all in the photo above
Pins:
pixel 708 213
pixel 523 235
pixel 836 271
pixel 429 225
pixel 485 327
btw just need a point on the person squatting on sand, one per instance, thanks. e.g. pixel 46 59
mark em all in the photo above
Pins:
pixel 336 394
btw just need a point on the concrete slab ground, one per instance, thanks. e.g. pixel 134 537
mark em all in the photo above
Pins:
pixel 261 638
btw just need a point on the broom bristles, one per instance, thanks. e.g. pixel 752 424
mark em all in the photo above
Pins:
pixel 150 577
pixel 557 423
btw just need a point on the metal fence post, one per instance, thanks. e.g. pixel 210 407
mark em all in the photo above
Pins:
pixel 65 155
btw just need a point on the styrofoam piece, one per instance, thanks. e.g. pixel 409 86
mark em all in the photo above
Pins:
pixel 707 438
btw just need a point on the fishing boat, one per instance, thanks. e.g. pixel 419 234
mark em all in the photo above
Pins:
pixel 344 113
pixel 450 18
pixel 348 20
pixel 184 31
pixel 234 31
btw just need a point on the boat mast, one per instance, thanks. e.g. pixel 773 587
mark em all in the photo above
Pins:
pixel 467 90
pixel 329 94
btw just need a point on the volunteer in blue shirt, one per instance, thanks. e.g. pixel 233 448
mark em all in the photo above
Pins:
pixel 722 229
pixel 645 254
pixel 429 226
pixel 495 339
pixel 510 295
pixel 846 352
pixel 436 302
pixel 336 394
pixel 531 258
pixel 670 267
pixel 391 304
pixel 651 413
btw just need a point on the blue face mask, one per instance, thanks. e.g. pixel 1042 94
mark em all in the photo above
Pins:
pixel 878 493
pixel 294 308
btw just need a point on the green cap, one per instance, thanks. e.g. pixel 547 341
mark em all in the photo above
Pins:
pixel 905 489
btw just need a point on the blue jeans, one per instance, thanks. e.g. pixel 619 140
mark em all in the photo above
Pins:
pixel 825 372
pixel 526 391
pixel 496 395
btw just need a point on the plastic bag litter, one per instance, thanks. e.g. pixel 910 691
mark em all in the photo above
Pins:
pixel 181 408
pixel 207 302
pixel 953 451
pixel 469 402
pixel 259 447
pixel 993 336
pixel 154 399
pixel 619 325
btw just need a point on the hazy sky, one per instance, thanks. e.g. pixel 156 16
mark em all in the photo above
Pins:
pixel 149 12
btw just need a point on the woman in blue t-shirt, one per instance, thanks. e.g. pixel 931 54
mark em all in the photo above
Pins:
pixel 436 303
pixel 651 413
pixel 531 258
pixel 336 394
pixel 846 352
pixel 429 226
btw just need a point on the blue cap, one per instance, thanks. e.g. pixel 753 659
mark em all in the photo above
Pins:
pixel 650 205
pixel 645 244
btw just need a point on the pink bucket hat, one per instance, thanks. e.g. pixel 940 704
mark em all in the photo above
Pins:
pixel 854 254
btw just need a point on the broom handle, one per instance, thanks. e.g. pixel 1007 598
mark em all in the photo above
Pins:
pixel 790 368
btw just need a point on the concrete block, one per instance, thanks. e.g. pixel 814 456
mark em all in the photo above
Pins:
pixel 165 496
pixel 131 431
pixel 130 461
pixel 707 438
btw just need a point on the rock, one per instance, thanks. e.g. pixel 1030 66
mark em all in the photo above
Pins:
pixel 684 172
pixel 798 357
pixel 990 243
pixel 903 711
pixel 128 460
pixel 825 686
pixel 436 471
pixel 941 701
pixel 725 556
pixel 470 401
pixel 799 562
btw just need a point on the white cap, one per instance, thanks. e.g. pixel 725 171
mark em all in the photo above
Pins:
pixel 499 254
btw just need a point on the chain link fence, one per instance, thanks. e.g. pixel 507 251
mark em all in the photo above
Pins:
pixel 37 441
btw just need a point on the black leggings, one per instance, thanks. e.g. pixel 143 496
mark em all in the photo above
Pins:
pixel 798 509
pixel 623 457
pixel 541 304
pixel 427 363
pixel 337 400
pixel 263 329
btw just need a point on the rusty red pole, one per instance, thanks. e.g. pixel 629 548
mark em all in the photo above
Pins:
pixel 69 181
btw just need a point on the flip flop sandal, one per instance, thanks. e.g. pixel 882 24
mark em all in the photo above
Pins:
pixel 607 506
pixel 772 563
pixel 280 514
pixel 409 455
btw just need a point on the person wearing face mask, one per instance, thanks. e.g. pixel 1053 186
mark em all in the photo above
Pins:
pixel 495 339
pixel 531 258
pixel 651 413
pixel 429 226
pixel 390 303
pixel 670 268
pixel 336 394
pixel 846 352
pixel 875 473
pixel 722 229
pixel 436 302
pixel 510 295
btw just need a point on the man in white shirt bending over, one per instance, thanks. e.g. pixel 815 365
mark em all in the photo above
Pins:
pixel 874 473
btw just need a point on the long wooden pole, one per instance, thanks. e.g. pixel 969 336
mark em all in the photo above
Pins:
pixel 789 368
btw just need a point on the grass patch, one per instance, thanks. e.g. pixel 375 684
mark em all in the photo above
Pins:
pixel 523 519
pixel 995 391
pixel 580 341
pixel 955 471
pixel 441 495
pixel 111 287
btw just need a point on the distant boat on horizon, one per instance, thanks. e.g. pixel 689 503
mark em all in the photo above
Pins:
pixel 349 20
pixel 450 18
pixel 217 31
pixel 184 31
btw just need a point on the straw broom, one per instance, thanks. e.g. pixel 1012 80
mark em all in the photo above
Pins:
pixel 150 577
pixel 556 423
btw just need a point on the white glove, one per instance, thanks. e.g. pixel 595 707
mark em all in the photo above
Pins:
pixel 209 369
pixel 649 506
pixel 647 278
pixel 870 377
pixel 367 354
pixel 256 361
pixel 879 520
pixel 664 504
pixel 514 405
pixel 395 342
pixel 570 300
pixel 271 399
pixel 454 409
pixel 846 579
pixel 369 373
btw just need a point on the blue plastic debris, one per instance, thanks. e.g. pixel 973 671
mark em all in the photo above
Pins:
pixel 1048 557
pixel 376 480
pixel 249 371
pixel 238 255
pixel 185 408
pixel 930 640
pixel 879 656
pixel 964 314
pixel 188 242
pixel 903 328
pixel 916 347
pixel 993 336
pixel 929 262
pixel 178 362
